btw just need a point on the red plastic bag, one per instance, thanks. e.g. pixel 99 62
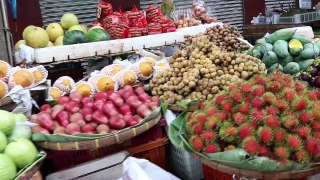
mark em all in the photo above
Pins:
pixel 104 9
pixel 154 15
pixel 154 28
pixel 168 26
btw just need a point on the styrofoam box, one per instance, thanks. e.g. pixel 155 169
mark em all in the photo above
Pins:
pixel 108 168
pixel 183 165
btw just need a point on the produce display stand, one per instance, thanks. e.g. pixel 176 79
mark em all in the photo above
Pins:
pixel 242 173
pixel 104 48
pixel 115 138
pixel 28 172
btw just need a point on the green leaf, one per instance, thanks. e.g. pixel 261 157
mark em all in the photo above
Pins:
pixel 164 107
pixel 183 104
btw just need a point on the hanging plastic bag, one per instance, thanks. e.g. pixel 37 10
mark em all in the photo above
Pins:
pixel 134 168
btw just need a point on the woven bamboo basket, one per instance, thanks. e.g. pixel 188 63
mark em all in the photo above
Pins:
pixel 30 171
pixel 191 108
pixel 116 138
pixel 242 173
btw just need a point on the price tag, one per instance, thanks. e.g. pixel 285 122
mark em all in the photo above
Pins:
pixel 305 4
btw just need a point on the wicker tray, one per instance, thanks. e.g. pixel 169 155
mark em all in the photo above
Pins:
pixel 242 173
pixel 27 173
pixel 115 138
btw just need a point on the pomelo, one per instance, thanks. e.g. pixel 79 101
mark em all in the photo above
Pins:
pixel 22 151
pixel 37 38
pixel 79 27
pixel 8 170
pixel 54 30
pixel 68 20
pixel 16 47
pixel 20 118
pixel 3 141
pixel 59 41
pixel 26 30
pixel 50 44
pixel 7 122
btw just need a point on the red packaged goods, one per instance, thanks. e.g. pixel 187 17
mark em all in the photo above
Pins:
pixel 117 25
pixel 154 14
pixel 168 26
pixel 137 18
pixel 154 28
pixel 104 9
pixel 136 32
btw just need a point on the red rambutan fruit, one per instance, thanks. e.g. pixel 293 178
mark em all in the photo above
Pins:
pixel 252 124
pixel 229 148
pixel 303 131
pixel 315 126
pixel 189 116
pixel 285 162
pixel 197 128
pixel 264 151
pixel 243 108
pixel 257 91
pixel 302 156
pixel 281 105
pixel 316 115
pixel 228 133
pixel 211 112
pixel 212 122
pixel 289 94
pixel 239 118
pixel 294 142
pixel 227 106
pixel 237 96
pixel 246 88
pixel 316 135
pixel 247 100
pixel 251 145
pixel 223 116
pixel 257 103
pixel 233 87
pixel 280 135
pixel 190 124
pixel 196 143
pixel 300 104
pixel 200 117
pixel 289 121
pixel 281 152
pixel 212 148
pixel 257 116
pixel 219 99
pixel 274 86
pixel 312 95
pixel 299 86
pixel 305 118
pixel 269 97
pixel 313 147
pixel 271 111
pixel 209 136
pixel 245 130
pixel 265 135
pixel 318 94
pixel 273 121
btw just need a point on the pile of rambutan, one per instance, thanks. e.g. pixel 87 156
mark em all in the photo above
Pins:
pixel 269 115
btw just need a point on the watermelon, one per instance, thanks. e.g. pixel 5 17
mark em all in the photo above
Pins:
pixel 74 37
pixel 97 34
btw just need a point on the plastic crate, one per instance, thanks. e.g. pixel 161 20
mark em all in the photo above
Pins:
pixel 183 165
pixel 108 168
pixel 300 18
pixel 154 151
pixel 212 174
pixel 60 160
